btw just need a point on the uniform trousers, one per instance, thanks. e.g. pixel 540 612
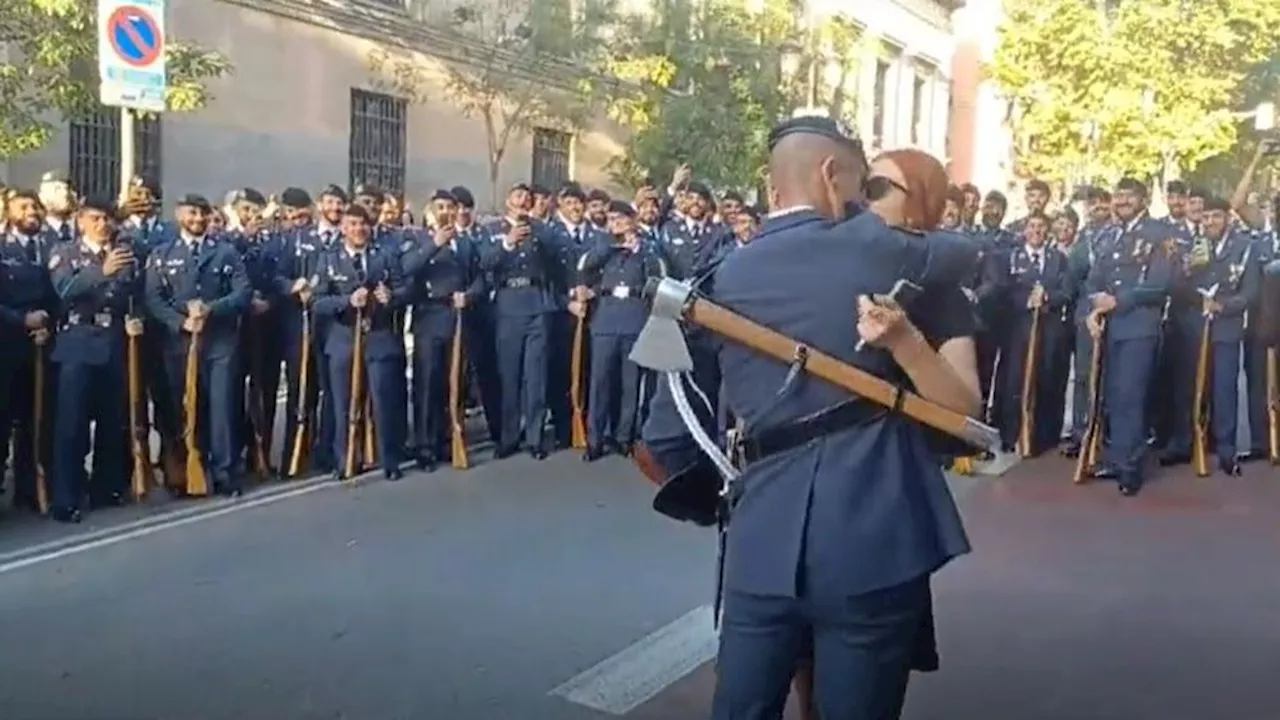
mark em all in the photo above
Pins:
pixel 96 394
pixel 385 383
pixel 614 412
pixel 522 367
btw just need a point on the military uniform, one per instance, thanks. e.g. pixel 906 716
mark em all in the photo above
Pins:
pixel 1265 254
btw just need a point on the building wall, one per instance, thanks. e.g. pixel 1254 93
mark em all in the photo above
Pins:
pixel 282 118
pixel 981 113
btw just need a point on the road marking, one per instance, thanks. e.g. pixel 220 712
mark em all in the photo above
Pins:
pixel 627 680
pixel 113 536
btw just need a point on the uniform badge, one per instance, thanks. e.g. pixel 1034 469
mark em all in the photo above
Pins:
pixel 54 261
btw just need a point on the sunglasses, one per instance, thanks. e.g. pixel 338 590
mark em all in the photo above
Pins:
pixel 878 187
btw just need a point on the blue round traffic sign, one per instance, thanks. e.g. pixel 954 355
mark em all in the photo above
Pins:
pixel 135 35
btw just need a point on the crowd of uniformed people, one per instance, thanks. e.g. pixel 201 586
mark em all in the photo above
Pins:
pixel 387 333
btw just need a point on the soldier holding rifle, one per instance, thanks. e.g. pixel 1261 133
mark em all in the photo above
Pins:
pixel 1221 279
pixel 197 289
pixel 358 290
pixel 442 277
pixel 97 280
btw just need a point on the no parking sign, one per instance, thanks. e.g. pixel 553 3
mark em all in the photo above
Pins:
pixel 131 52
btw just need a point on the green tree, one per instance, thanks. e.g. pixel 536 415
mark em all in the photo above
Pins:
pixel 1105 87
pixel 50 70
pixel 524 66
pixel 710 78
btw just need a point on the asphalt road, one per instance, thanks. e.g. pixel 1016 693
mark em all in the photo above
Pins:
pixel 548 591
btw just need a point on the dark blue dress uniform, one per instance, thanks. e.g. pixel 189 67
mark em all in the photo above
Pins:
pixel 573 243
pixel 1079 262
pixel 433 273
pixel 793 577
pixel 1265 252
pixel 620 312
pixel 25 287
pixel 1136 267
pixel 211 271
pixel 260 361
pixel 91 387
pixel 345 270
pixel 988 288
pixel 521 303
pixel 306 250
pixel 1028 267
pixel 482 353
pixel 1238 278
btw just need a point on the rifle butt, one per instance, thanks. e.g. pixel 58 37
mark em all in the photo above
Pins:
pixel 1273 412
pixel 1027 426
pixel 457 427
pixel 42 482
pixel 197 483
pixel 370 430
pixel 578 423
pixel 1199 423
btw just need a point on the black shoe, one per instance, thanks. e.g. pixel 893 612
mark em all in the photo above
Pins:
pixel 1105 472
pixel 1130 484
pixel 538 454
pixel 1230 467
pixel 393 474
pixel 337 476
pixel 115 499
pixel 503 453
pixel 426 463
pixel 1172 459
pixel 593 454
pixel 70 516
pixel 625 448
pixel 1071 450
pixel 1254 456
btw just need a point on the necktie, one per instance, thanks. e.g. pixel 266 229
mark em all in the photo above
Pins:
pixel 359 260
pixel 1035 262
pixel 64 233
pixel 577 236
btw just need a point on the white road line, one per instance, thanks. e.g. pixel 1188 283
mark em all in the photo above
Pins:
pixel 115 536
pixel 627 680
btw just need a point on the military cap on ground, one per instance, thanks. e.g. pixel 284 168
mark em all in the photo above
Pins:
pixel 55 176
pixel 100 203
pixel 295 198
pixel 463 196
pixel 622 207
pixel 333 191
pixel 196 201
pixel 813 125
pixel 443 195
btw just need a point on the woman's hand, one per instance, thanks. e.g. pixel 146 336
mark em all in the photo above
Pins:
pixel 883 323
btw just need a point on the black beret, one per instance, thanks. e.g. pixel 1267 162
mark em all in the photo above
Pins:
pixel 355 210
pixel 1132 185
pixel 198 202
pixel 151 185
pixel 1176 187
pixel 700 189
pixel 598 196
pixel 752 212
pixel 23 194
pixel 333 191
pixel 733 196
pixel 539 190
pixel 295 198
pixel 463 196
pixel 1217 203
pixel 813 125
pixel 443 195
pixel 622 207
pixel 572 190
pixel 250 195
pixel 100 203
pixel 367 190
pixel 519 186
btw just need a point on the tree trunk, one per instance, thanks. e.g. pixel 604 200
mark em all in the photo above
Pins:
pixel 494 158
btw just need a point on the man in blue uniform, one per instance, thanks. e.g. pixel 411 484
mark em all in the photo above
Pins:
pixel 361 283
pixel 197 286
pixel 482 352
pixel 97 283
pixel 521 263
pixel 443 279
pixel 1220 281
pixel 573 237
pixel 27 307
pixel 623 265
pixel 815 488
pixel 1127 286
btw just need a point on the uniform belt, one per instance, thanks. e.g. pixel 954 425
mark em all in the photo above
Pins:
pixel 102 319
pixel 773 441
pixel 622 292
pixel 521 282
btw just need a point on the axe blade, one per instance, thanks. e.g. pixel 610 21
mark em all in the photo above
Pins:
pixel 661 346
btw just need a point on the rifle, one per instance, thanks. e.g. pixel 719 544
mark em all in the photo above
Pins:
pixel 355 407
pixel 298 459
pixel 42 485
pixel 139 433
pixel 370 430
pixel 1273 412
pixel 257 416
pixel 1091 440
pixel 457 425
pixel 1027 428
pixel 1199 418
pixel 578 426
pixel 197 484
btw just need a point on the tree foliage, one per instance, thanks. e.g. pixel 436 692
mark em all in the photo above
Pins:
pixel 49 72
pixel 524 66
pixel 711 79
pixel 1100 88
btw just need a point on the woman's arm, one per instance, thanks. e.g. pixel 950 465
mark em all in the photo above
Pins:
pixel 947 376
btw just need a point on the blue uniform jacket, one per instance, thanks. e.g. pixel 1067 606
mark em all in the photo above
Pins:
pixel 433 273
pixel 175 276
pixel 1135 265
pixel 338 279
pixel 94 306
pixel 620 306
pixel 1238 276
pixel 858 510
pixel 522 277
pixel 24 287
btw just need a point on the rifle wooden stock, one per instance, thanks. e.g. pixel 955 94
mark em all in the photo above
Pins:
pixel 1091 439
pixel 457 425
pixel 355 406
pixel 1200 418
pixel 843 375
pixel 1027 424
pixel 139 433
pixel 1273 407
pixel 257 414
pixel 369 429
pixel 578 425
pixel 298 457
pixel 197 484
pixel 42 482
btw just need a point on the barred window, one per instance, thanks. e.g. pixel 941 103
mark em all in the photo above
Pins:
pixel 377 147
pixel 95 151
pixel 551 158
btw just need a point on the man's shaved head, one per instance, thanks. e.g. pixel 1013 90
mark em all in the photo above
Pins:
pixel 816 170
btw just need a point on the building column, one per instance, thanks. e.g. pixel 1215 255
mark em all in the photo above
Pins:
pixel 939 111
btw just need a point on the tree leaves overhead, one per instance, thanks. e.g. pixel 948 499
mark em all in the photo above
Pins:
pixel 1105 87
pixel 50 72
